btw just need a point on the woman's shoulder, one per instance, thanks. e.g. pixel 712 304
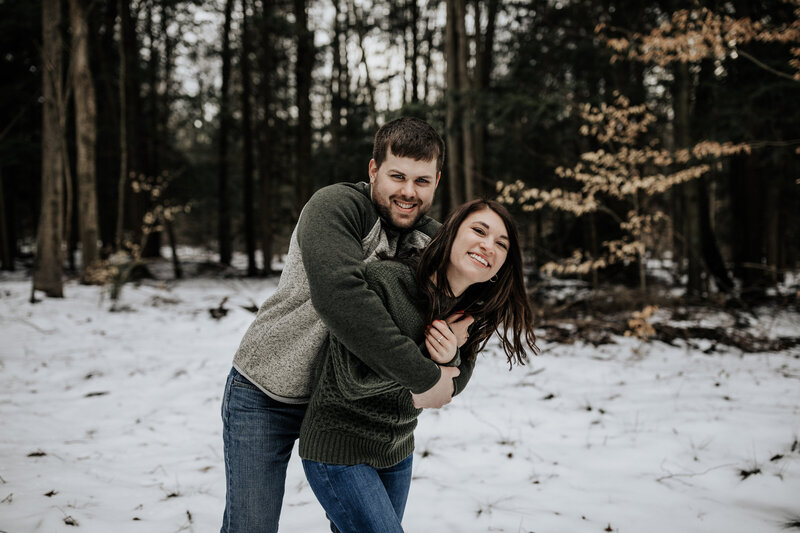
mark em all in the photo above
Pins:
pixel 395 283
pixel 391 277
pixel 388 270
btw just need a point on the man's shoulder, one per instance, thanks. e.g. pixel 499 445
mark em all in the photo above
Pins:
pixel 428 226
pixel 343 192
pixel 339 204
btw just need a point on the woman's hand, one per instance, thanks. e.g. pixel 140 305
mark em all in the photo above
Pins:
pixel 459 323
pixel 441 342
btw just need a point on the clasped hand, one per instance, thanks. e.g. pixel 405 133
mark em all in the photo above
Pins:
pixel 453 333
pixel 444 337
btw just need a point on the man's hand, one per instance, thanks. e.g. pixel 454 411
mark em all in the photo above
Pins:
pixel 440 394
pixel 459 322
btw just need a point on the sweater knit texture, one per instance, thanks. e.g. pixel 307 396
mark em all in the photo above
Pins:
pixel 322 289
pixel 355 416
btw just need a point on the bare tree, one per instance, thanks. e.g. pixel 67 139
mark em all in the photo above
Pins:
pixel 414 17
pixel 47 273
pixel 6 251
pixel 266 145
pixel 452 123
pixel 484 61
pixel 247 145
pixel 357 19
pixel 224 125
pixel 85 135
pixel 122 8
pixel 303 69
pixel 466 106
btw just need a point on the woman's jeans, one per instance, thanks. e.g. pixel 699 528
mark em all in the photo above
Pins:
pixel 258 434
pixel 360 498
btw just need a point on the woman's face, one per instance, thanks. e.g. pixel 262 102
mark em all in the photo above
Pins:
pixel 479 250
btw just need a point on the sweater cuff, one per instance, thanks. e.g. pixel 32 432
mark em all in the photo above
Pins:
pixel 428 386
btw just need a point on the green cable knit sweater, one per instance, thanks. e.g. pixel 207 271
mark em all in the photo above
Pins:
pixel 354 415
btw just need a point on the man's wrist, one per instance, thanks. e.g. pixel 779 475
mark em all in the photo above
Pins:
pixel 432 384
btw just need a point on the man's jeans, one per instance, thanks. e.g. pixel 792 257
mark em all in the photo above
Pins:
pixel 258 434
pixel 360 498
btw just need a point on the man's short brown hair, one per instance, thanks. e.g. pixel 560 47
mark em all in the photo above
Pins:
pixel 409 137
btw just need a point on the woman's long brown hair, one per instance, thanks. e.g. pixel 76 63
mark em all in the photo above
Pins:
pixel 501 306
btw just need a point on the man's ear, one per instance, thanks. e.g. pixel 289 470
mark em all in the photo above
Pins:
pixel 373 170
pixel 438 177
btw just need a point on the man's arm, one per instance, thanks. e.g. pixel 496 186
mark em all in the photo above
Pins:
pixel 329 234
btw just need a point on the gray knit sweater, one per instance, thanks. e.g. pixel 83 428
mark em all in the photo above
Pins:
pixel 322 288
pixel 355 416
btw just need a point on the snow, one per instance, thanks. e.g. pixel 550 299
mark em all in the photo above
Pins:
pixel 116 416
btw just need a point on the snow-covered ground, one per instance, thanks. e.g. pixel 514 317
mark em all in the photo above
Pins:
pixel 109 422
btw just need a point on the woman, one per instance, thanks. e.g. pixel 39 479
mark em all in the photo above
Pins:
pixel 357 436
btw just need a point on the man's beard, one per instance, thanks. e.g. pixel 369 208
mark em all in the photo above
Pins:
pixel 385 213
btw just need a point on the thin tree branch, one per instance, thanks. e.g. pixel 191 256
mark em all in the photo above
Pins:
pixel 767 67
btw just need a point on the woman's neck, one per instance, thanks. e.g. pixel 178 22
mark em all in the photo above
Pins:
pixel 457 287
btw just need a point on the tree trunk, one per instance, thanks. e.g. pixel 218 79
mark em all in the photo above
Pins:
pixel 426 80
pixel 691 199
pixel 414 23
pixel 484 62
pixel 452 126
pixel 247 145
pixel 176 264
pixel 6 250
pixel 266 145
pixel 122 184
pixel 85 136
pixel 135 204
pixel 303 69
pixel 152 121
pixel 47 272
pixel 104 49
pixel 361 32
pixel 225 251
pixel 152 105
pixel 711 254
pixel 748 227
pixel 336 79
pixel 169 52
pixel 466 107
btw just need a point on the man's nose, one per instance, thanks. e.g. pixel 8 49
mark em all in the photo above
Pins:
pixel 408 189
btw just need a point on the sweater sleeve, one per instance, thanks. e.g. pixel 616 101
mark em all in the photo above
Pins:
pixel 466 366
pixel 329 233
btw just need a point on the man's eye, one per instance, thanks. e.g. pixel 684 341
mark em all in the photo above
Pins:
pixel 423 181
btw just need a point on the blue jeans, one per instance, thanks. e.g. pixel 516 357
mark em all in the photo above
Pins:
pixel 360 498
pixel 258 435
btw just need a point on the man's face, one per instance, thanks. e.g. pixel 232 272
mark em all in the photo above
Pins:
pixel 402 188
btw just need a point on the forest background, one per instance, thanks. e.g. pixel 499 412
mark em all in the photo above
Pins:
pixel 647 147
pixel 650 152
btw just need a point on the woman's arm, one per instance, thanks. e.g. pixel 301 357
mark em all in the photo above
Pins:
pixel 466 367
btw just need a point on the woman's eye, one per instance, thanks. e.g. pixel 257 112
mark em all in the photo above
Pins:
pixel 503 245
pixel 479 231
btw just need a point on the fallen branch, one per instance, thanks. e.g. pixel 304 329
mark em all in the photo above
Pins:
pixel 597 332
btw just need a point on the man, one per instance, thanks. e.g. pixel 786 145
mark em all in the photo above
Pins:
pixel 321 290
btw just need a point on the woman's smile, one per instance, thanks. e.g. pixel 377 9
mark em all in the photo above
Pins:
pixel 479 250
